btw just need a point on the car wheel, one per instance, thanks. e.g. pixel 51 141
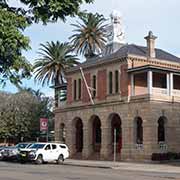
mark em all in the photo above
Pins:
pixel 39 159
pixel 60 159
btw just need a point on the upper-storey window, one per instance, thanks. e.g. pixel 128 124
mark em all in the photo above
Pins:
pixel 110 82
pixel 116 81
pixel 94 86
pixel 79 89
pixel 75 91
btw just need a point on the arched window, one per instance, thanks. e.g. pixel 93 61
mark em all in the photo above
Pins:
pixel 139 130
pixel 161 129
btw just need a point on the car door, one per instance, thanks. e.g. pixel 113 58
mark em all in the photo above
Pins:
pixel 47 153
pixel 55 151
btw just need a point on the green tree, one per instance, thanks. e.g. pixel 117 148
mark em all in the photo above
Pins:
pixel 46 10
pixel 55 58
pixel 20 114
pixel 13 21
pixel 13 65
pixel 90 35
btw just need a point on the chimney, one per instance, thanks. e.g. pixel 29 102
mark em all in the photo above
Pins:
pixel 151 53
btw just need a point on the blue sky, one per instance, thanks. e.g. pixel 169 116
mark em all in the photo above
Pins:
pixel 139 16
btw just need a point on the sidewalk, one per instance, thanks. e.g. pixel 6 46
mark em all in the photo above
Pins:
pixel 129 166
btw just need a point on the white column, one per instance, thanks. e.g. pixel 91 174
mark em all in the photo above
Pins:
pixel 168 84
pixel 171 84
pixel 149 82
pixel 132 84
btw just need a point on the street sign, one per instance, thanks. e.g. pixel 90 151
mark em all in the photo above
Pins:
pixel 43 124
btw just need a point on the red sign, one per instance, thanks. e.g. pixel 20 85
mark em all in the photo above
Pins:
pixel 43 124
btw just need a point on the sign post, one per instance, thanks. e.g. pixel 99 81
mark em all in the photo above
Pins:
pixel 114 144
pixel 44 126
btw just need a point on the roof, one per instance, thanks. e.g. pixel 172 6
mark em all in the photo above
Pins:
pixel 142 51
pixel 147 67
pixel 124 51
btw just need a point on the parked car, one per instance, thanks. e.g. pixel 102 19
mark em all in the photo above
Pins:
pixel 11 152
pixel 1 150
pixel 45 152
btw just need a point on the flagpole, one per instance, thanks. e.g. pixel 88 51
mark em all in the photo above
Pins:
pixel 87 87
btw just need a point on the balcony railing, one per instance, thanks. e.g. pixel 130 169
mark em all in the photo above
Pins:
pixel 159 91
pixel 176 92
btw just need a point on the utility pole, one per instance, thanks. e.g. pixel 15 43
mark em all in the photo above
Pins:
pixel 87 87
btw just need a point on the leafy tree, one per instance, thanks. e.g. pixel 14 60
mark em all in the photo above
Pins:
pixel 20 114
pixel 90 35
pixel 13 20
pixel 13 65
pixel 46 10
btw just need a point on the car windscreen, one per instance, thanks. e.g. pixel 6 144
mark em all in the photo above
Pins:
pixel 21 145
pixel 37 146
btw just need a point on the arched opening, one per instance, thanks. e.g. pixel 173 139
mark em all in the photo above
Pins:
pixel 138 130
pixel 96 134
pixel 116 132
pixel 79 135
pixel 161 129
pixel 62 133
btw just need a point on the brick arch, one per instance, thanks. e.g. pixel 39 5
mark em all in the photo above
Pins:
pixel 77 131
pixel 162 124
pixel 116 131
pixel 62 132
pixel 95 126
pixel 138 130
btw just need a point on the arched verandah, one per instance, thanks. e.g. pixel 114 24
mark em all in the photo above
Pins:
pixel 95 124
pixel 78 134
pixel 116 132
pixel 62 133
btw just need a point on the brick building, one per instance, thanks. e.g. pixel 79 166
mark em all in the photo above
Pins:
pixel 136 94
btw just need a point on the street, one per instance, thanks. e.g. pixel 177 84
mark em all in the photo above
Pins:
pixel 15 171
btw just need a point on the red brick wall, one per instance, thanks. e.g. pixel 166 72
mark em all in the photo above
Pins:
pixel 85 96
pixel 69 90
pixel 124 80
pixel 102 84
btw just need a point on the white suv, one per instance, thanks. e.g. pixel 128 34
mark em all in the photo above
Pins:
pixel 45 152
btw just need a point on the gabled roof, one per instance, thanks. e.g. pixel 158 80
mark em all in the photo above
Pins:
pixel 124 51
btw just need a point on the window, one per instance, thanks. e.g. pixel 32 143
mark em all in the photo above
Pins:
pixel 139 131
pixel 79 89
pixel 48 147
pixel 54 146
pixel 75 85
pixel 63 147
pixel 94 86
pixel 110 82
pixel 116 81
pixel 161 130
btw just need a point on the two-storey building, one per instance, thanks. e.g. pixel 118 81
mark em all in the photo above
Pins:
pixel 136 95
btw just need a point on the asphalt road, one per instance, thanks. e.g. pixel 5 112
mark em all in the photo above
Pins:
pixel 15 171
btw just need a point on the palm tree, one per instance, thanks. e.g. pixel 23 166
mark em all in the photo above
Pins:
pixel 55 58
pixel 90 35
pixel 51 66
